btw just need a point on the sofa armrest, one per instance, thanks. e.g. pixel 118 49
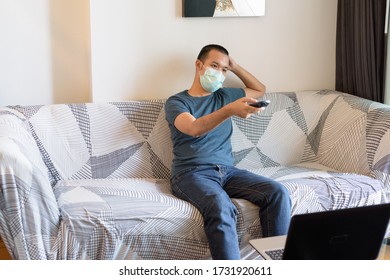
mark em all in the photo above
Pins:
pixel 29 214
pixel 378 143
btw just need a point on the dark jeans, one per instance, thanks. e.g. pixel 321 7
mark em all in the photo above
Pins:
pixel 209 189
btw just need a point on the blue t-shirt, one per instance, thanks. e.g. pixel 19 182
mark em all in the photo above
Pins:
pixel 212 148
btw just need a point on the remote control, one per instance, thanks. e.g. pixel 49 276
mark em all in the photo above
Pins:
pixel 260 104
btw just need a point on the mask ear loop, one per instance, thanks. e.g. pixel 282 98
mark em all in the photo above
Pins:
pixel 201 67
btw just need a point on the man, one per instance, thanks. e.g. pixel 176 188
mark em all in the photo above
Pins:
pixel 202 170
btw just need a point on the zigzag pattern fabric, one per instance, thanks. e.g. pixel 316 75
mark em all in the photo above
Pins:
pixel 91 181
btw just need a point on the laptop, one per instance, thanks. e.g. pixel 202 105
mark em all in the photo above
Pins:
pixel 349 234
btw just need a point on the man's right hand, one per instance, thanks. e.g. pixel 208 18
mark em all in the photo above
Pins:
pixel 242 109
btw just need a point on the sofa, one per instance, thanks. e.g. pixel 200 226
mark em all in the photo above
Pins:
pixel 91 181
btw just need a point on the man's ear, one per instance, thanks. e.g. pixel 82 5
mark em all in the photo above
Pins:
pixel 198 65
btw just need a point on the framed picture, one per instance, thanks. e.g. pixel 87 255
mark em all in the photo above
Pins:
pixel 223 8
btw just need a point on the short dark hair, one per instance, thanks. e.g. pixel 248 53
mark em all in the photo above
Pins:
pixel 206 49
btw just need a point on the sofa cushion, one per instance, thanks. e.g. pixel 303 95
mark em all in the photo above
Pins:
pixel 140 216
pixel 314 187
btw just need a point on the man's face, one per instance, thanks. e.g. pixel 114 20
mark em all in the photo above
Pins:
pixel 215 60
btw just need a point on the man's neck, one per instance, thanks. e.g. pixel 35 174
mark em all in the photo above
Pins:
pixel 198 91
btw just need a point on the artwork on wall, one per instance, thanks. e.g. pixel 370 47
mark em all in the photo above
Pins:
pixel 223 8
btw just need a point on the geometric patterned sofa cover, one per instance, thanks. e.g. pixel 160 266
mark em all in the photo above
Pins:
pixel 91 181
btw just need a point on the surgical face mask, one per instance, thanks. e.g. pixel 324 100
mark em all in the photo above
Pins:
pixel 212 80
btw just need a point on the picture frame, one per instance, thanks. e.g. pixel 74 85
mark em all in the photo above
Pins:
pixel 223 8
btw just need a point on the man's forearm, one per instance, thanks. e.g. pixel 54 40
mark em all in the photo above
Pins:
pixel 248 79
pixel 190 125
pixel 207 123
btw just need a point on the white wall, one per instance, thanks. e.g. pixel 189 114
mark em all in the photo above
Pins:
pixel 25 62
pixel 387 66
pixel 387 74
pixel 145 49
pixel 44 51
pixel 70 47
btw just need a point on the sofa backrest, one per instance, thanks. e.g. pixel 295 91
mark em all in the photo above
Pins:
pixel 102 140
pixel 287 132
pixel 337 130
pixel 132 139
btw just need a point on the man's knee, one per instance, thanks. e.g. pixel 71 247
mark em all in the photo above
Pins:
pixel 219 206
